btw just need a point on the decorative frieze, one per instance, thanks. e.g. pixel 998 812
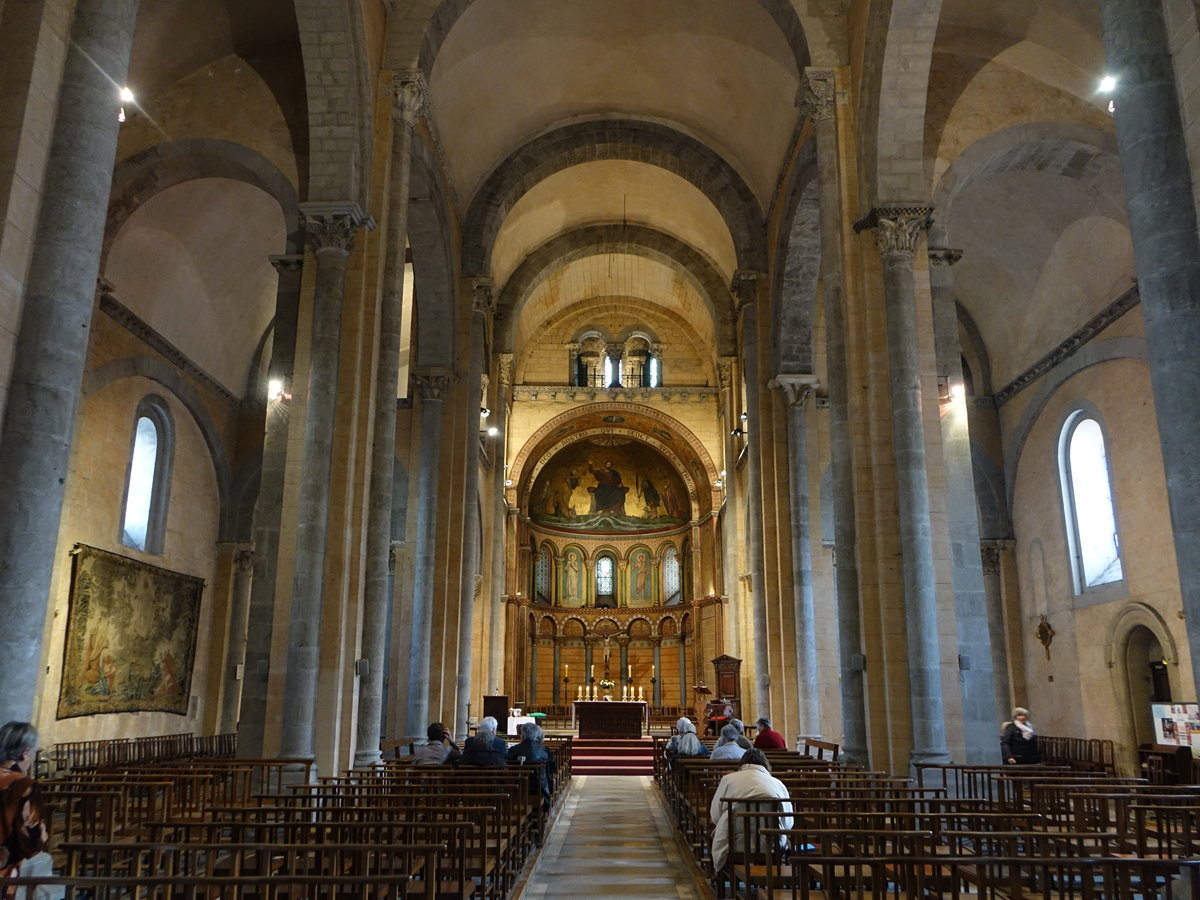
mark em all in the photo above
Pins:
pixel 567 394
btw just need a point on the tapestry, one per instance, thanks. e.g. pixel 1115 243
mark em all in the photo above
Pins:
pixel 610 484
pixel 131 636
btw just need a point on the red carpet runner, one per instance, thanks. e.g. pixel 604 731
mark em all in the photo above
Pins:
pixel 592 756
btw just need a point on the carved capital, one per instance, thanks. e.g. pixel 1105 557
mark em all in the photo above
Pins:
pixel 615 350
pixel 944 256
pixel 481 296
pixel 725 371
pixel 989 554
pixel 504 370
pixel 412 96
pixel 796 388
pixel 332 226
pixel 432 385
pixel 816 97
pixel 243 561
pixel 286 262
pixel 745 287
pixel 897 229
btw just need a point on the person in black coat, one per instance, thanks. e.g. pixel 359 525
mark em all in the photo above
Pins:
pixel 1018 740
pixel 481 752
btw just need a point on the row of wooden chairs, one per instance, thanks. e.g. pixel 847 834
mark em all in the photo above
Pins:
pixel 1020 832
pixel 110 753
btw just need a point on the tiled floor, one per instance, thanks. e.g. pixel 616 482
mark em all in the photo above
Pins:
pixel 613 838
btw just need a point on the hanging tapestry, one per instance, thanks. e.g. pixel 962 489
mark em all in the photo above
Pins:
pixel 131 636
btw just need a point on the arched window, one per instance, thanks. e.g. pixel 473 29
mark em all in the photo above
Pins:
pixel 1091 518
pixel 605 581
pixel 148 477
pixel 672 588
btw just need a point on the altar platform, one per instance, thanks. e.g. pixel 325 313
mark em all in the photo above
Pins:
pixel 610 718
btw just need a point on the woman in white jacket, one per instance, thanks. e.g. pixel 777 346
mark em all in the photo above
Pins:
pixel 752 781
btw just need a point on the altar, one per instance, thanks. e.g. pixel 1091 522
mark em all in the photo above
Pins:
pixel 610 718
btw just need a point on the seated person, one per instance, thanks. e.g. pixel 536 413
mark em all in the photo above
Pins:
pixel 533 750
pixel 482 751
pixel 684 742
pixel 727 747
pixel 768 739
pixel 438 749
pixel 752 781
pixel 718 714
pixel 490 723
pixel 742 740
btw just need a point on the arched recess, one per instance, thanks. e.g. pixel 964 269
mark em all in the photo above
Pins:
pixel 676 442
pixel 429 237
pixel 637 240
pixel 1062 148
pixel 1127 632
pixel 891 114
pixel 418 36
pixel 339 100
pixel 1092 354
pixel 169 378
pixel 157 168
pixel 796 280
pixel 645 142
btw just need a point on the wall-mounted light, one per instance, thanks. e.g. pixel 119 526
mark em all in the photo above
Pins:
pixel 508 482
pixel 484 412
pixel 126 96
pixel 738 432
pixel 493 431
pixel 275 391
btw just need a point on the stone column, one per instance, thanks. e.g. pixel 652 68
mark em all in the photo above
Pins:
pixel 994 593
pixel 533 655
pixel 745 292
pixel 656 687
pixel 378 598
pixel 897 232
pixel 432 386
pixel 235 651
pixel 729 525
pixel 818 100
pixel 797 389
pixel 52 336
pixel 482 309
pixel 506 521
pixel 980 711
pixel 330 230
pixel 573 349
pixel 620 679
pixel 614 352
pixel 588 656
pixel 1166 253
pixel 268 511
pixel 557 673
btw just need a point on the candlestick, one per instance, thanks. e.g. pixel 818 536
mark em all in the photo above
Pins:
pixel 641 697
pixel 567 669
pixel 592 673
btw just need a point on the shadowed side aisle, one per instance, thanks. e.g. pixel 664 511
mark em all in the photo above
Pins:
pixel 613 838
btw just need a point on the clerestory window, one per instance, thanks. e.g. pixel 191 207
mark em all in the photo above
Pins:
pixel 148 477
pixel 1092 534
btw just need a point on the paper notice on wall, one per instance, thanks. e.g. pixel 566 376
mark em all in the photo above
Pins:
pixel 1177 724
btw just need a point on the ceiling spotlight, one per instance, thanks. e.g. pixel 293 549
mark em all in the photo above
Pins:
pixel 738 432
pixel 745 416
pixel 1107 83
pixel 493 431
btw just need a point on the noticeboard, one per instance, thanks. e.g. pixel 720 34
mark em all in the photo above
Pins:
pixel 1177 724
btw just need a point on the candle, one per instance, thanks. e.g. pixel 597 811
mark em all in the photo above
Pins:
pixel 651 670
pixel 567 669
pixel 592 673
pixel 629 671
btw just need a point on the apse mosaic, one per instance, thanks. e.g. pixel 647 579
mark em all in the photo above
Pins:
pixel 609 484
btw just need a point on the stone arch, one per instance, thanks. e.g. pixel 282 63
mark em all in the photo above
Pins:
pixel 434 280
pixel 140 177
pixel 181 388
pixel 606 626
pixel 1064 148
pixel 1131 619
pixel 638 141
pixel 891 115
pixel 1092 354
pixel 339 100
pixel 573 628
pixel 668 627
pixel 547 627
pixel 796 280
pixel 637 240
pixel 408 46
pixel 639 627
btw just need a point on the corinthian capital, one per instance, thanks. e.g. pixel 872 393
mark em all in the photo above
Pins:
pixel 796 388
pixel 897 228
pixel 725 370
pixel 816 97
pixel 944 256
pixel 332 226
pixel 432 383
pixel 504 370
pixel 412 96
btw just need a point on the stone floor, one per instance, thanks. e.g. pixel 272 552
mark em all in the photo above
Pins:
pixel 613 838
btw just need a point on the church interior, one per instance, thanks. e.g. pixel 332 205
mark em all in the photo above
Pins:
pixel 362 360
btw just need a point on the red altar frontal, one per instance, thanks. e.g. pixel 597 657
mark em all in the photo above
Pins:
pixel 610 719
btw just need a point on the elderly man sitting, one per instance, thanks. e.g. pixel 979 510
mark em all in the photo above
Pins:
pixel 728 746
pixel 751 782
